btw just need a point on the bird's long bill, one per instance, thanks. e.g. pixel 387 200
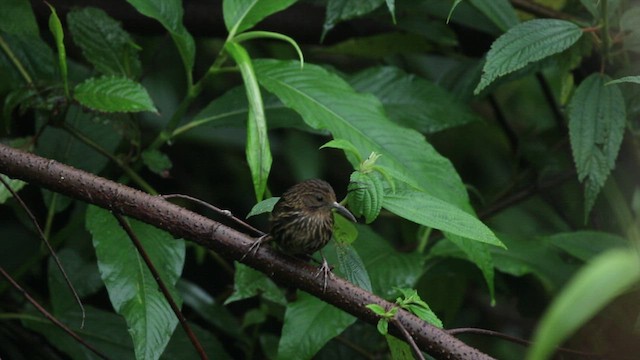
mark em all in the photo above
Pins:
pixel 344 212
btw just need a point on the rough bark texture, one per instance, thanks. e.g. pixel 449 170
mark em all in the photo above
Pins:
pixel 226 241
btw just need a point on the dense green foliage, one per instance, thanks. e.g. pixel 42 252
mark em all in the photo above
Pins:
pixel 491 153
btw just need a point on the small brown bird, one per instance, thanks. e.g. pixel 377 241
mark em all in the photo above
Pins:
pixel 302 220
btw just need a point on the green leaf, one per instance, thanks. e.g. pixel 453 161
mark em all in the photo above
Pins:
pixel 425 313
pixel 16 17
pixel 427 210
pixel 309 323
pixel 157 161
pixel 325 101
pixel 55 26
pixel 104 330
pixel 626 79
pixel 526 43
pixel 103 42
pixel 480 254
pixel 264 206
pixel 596 126
pixel 132 289
pixel 399 349
pixel 231 110
pixel 15 184
pixel 383 326
pixel 113 94
pixel 413 101
pixel 387 267
pixel 181 347
pixel 352 267
pixel 377 309
pixel 240 15
pixel 339 10
pixel 501 13
pixel 598 283
pixel 366 195
pixel 83 274
pixel 34 56
pixel 249 283
pixel 258 150
pixel 344 231
pixel 343 145
pixel 586 245
pixel 209 310
pixel 391 5
pixel 58 144
pixel 169 14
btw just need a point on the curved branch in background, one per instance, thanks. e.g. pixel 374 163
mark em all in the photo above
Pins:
pixel 226 241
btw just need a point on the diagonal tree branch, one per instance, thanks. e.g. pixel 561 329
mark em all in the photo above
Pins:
pixel 226 241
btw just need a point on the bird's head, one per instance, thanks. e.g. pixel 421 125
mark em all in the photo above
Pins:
pixel 315 196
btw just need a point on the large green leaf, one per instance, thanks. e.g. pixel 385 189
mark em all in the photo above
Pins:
pixel 413 101
pixel 499 11
pixel 257 150
pixel 103 42
pixel 526 43
pixel 104 330
pixel 16 17
pixel 427 210
pixel 327 102
pixel 113 94
pixel 132 289
pixel 597 118
pixel 240 15
pixel 533 256
pixel 597 284
pixel 169 14
pixel 309 323
pixel 387 267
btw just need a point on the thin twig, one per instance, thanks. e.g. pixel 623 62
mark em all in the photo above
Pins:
pixel 163 288
pixel 225 213
pixel 49 247
pixel 525 193
pixel 48 315
pixel 553 104
pixel 504 124
pixel 515 340
pixel 542 11
pixel 414 347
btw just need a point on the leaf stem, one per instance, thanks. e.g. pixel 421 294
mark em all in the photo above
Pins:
pixel 15 61
pixel 127 170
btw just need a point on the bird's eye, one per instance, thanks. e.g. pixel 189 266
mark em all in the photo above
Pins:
pixel 319 197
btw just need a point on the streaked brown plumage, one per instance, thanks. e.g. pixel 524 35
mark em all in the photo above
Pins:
pixel 302 220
